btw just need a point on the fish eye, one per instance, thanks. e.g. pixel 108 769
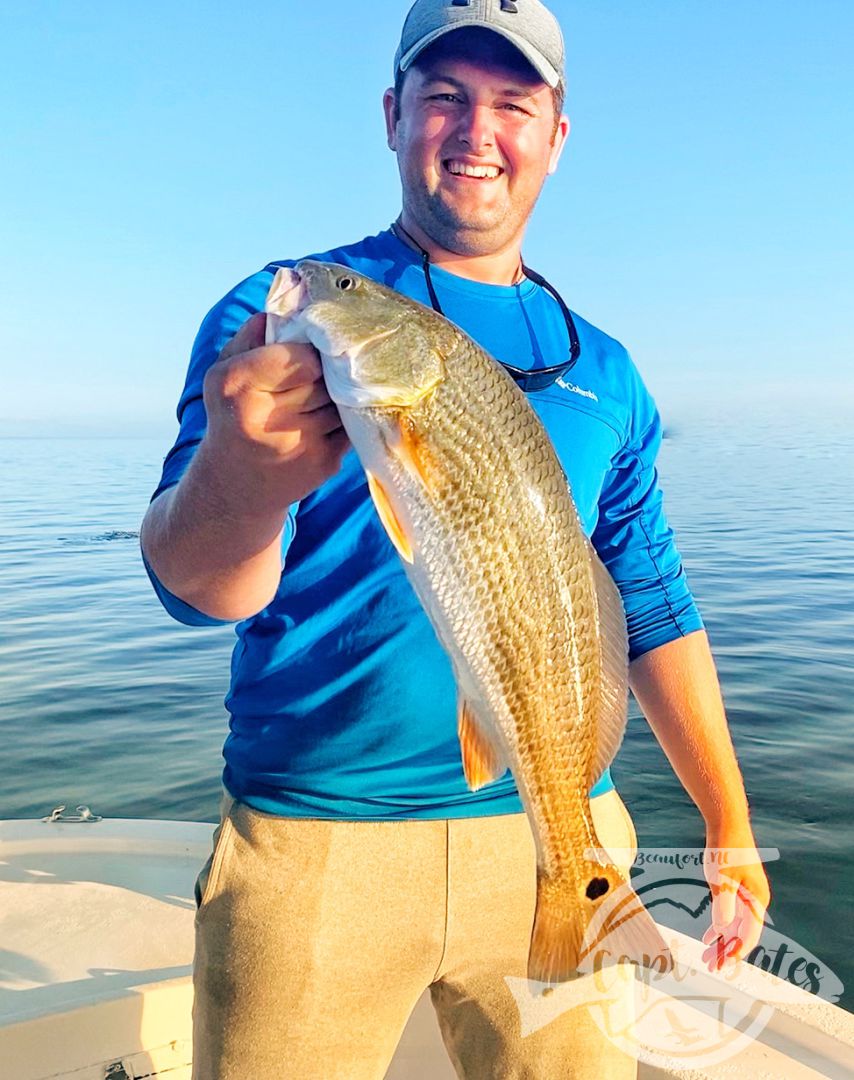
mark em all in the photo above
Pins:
pixel 346 283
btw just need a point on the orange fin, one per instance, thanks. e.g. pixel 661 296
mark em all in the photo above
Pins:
pixel 576 933
pixel 557 936
pixel 411 451
pixel 482 760
pixel 390 521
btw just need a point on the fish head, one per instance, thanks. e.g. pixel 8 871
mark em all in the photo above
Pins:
pixel 377 347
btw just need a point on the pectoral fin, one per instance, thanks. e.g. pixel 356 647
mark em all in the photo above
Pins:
pixel 482 760
pixel 391 523
pixel 410 448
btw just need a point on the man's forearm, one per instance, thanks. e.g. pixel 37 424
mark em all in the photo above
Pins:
pixel 677 688
pixel 209 549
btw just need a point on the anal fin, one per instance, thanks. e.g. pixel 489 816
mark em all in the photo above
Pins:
pixel 483 762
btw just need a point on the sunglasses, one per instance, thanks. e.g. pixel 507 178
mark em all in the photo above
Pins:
pixel 529 381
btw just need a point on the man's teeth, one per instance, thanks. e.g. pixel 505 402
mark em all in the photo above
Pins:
pixel 483 172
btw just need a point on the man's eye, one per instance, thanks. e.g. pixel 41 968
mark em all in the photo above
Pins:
pixel 444 97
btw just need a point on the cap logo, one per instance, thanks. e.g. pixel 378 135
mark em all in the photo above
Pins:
pixel 506 5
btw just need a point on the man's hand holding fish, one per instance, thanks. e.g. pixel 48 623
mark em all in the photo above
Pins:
pixel 272 437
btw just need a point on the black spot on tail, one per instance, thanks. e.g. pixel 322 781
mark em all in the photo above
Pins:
pixel 597 887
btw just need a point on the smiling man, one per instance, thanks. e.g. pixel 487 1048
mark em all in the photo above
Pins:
pixel 472 193
pixel 353 868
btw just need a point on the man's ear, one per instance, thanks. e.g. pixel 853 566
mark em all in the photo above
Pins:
pixel 390 110
pixel 561 135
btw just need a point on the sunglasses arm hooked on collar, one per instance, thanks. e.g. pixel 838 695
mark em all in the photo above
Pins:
pixel 529 381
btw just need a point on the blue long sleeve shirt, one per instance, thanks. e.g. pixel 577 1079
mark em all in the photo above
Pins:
pixel 342 702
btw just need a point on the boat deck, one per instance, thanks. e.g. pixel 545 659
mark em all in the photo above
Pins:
pixel 95 970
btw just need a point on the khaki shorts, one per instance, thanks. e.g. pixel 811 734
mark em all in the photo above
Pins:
pixel 315 939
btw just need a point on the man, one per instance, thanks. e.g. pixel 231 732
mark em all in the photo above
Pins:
pixel 352 867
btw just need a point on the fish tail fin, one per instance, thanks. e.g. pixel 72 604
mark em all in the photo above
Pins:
pixel 582 926
pixel 619 929
pixel 557 936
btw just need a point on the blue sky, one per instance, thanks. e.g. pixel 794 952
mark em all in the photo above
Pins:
pixel 154 154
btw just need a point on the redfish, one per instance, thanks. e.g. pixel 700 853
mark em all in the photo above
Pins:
pixel 472 495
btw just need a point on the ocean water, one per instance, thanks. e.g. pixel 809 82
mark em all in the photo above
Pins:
pixel 105 701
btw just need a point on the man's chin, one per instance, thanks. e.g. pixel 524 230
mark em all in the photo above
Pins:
pixel 470 234
pixel 473 244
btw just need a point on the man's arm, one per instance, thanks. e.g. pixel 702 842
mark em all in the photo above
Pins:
pixel 272 436
pixel 677 688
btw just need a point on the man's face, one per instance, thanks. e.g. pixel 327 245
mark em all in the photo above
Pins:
pixel 475 141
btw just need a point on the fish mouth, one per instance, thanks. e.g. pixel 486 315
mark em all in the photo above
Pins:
pixel 289 294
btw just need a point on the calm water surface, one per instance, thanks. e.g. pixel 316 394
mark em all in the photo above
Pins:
pixel 105 701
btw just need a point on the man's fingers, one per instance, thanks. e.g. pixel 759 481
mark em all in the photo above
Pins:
pixel 752 913
pixel 246 362
pixel 276 368
pixel 305 398
pixel 724 947
pixel 249 336
pixel 320 421
pixel 722 937
pixel 266 369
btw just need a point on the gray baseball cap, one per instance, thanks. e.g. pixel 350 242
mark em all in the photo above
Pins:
pixel 527 24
